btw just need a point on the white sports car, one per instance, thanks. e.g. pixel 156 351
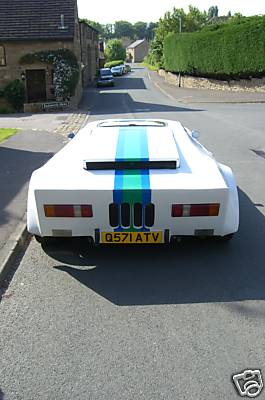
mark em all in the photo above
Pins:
pixel 133 181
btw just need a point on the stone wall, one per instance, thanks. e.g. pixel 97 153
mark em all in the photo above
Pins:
pixel 242 85
pixel 13 70
pixel 89 54
pixel 141 51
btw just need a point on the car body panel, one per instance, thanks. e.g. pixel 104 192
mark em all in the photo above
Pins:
pixel 197 179
pixel 117 71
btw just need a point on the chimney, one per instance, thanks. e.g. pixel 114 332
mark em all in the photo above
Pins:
pixel 62 26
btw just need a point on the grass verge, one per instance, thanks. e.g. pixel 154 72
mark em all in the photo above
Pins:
pixel 149 66
pixel 6 133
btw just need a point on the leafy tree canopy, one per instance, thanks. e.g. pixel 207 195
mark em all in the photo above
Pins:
pixel 115 50
pixel 213 12
pixel 140 29
pixel 174 22
pixel 123 29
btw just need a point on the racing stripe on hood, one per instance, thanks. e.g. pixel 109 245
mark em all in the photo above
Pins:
pixel 132 186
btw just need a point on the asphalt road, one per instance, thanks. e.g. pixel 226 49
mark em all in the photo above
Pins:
pixel 149 322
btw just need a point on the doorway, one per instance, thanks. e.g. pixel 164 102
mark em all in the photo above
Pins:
pixel 36 85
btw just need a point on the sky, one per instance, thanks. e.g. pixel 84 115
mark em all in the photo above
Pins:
pixel 108 11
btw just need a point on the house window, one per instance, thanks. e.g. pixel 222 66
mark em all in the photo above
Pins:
pixel 2 56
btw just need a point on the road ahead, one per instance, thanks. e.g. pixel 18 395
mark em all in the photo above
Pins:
pixel 146 323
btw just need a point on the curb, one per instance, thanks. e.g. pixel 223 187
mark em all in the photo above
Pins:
pixel 19 239
pixel 15 244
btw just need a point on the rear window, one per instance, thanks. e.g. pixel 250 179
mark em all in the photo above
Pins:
pixel 104 72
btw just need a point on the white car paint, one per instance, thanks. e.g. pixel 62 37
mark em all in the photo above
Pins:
pixel 197 179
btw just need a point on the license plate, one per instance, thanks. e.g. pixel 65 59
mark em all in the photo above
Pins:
pixel 132 237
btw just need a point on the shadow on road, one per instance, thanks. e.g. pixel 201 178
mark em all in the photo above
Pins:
pixel 194 271
pixel 16 166
pixel 108 103
pixel 1 395
pixel 130 83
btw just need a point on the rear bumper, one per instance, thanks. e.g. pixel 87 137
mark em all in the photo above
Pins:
pixel 38 224
pixel 105 83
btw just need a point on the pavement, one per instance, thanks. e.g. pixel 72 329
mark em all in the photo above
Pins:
pixel 41 135
pixel 204 96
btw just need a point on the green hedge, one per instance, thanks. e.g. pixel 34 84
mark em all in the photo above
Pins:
pixel 113 63
pixel 233 50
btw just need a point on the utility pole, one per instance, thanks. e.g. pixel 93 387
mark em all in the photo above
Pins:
pixel 180 31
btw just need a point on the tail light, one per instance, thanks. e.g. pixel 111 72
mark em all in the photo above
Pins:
pixel 195 210
pixel 68 210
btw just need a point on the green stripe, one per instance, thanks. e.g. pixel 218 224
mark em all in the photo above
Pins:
pixel 131 185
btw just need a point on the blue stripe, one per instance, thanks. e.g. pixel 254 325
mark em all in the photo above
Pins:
pixel 132 186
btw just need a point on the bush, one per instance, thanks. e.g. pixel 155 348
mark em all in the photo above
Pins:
pixel 6 110
pixel 113 63
pixel 115 50
pixel 229 51
pixel 14 92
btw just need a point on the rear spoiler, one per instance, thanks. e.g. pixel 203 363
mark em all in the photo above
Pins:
pixel 130 164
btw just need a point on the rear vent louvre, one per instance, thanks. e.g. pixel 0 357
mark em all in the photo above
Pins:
pixel 149 215
pixel 114 215
pixel 129 165
pixel 137 215
pixel 125 215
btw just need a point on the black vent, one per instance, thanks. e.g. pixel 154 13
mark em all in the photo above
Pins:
pixel 114 215
pixel 138 215
pixel 149 215
pixel 128 165
pixel 123 215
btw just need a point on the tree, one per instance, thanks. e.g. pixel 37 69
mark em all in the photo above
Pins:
pixel 123 29
pixel 194 20
pixel 171 22
pixel 150 30
pixel 114 50
pixel 140 29
pixel 213 12
pixel 108 31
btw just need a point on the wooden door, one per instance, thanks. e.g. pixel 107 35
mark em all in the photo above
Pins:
pixel 36 85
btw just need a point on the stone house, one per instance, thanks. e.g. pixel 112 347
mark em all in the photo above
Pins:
pixel 31 26
pixel 137 51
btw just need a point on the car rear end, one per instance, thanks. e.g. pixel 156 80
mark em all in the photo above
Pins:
pixel 139 188
pixel 105 77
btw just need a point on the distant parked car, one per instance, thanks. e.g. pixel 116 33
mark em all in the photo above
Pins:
pixel 123 69
pixel 127 68
pixel 105 77
pixel 117 71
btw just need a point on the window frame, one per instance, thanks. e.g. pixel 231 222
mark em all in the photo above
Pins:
pixel 2 57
